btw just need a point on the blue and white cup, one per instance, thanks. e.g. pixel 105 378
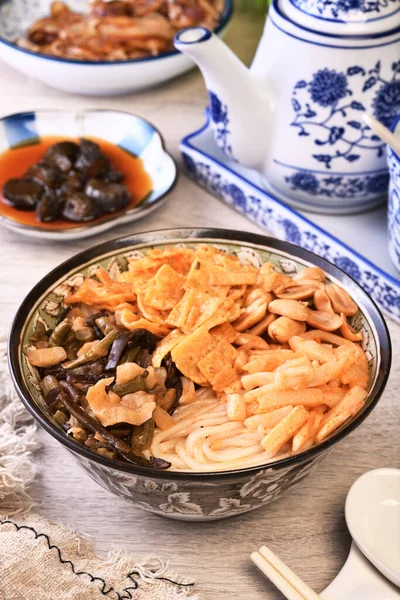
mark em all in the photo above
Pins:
pixel 394 200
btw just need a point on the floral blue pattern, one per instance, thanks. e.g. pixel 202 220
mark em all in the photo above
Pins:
pixel 340 9
pixel 394 208
pixel 304 181
pixel 339 186
pixel 328 87
pixel 348 265
pixel 218 114
pixel 394 226
pixel 284 223
pixel 325 108
pixel 292 232
pixel 386 104
pixel 220 121
pixel 238 197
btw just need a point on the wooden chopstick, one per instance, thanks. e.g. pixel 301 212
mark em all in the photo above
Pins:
pixel 281 576
pixel 280 582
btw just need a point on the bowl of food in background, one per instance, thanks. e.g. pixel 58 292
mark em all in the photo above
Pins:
pixel 393 161
pixel 99 47
pixel 72 174
pixel 199 373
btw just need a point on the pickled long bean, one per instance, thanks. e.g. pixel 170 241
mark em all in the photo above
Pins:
pixel 97 351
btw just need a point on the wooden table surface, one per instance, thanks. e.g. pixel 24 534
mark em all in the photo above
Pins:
pixel 306 527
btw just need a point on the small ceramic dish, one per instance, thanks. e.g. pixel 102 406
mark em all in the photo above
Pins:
pixel 394 200
pixel 81 77
pixel 191 495
pixel 133 134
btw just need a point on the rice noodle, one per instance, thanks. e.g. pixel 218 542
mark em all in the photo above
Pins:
pixel 204 439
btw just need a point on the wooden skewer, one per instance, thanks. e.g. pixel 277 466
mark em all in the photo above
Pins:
pixel 384 133
pixel 290 584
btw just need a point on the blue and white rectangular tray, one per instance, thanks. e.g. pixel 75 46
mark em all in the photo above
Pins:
pixel 355 243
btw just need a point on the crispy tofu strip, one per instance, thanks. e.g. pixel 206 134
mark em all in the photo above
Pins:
pixel 284 430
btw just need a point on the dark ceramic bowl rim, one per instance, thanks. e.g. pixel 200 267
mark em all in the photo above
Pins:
pixel 195 234
pixel 111 217
pixel 225 18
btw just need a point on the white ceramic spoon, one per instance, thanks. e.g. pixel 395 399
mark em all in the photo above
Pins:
pixel 373 518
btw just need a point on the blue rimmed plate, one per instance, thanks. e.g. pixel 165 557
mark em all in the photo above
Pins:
pixel 130 132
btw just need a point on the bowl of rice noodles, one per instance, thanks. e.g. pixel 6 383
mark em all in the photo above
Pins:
pixel 198 373
pixel 103 47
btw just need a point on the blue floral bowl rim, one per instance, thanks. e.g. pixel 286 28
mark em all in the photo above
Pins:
pixel 112 216
pixel 175 236
pixel 225 18
pixel 395 122
pixel 323 34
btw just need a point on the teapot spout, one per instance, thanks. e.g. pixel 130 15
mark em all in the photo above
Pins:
pixel 240 106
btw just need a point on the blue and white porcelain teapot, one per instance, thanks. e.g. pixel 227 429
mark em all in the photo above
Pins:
pixel 295 115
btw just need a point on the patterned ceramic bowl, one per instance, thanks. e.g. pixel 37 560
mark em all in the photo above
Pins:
pixel 394 200
pixel 179 495
pixel 131 133
pixel 102 78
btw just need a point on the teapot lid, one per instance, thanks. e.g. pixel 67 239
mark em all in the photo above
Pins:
pixel 344 17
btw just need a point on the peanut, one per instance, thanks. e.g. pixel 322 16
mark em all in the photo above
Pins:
pixel 341 300
pixel 257 294
pixel 263 325
pixel 297 292
pixel 310 273
pixel 285 328
pixel 322 302
pixel 348 332
pixel 327 321
pixel 289 308
pixel 276 281
pixel 251 315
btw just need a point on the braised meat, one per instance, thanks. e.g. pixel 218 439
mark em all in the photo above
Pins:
pixel 119 29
